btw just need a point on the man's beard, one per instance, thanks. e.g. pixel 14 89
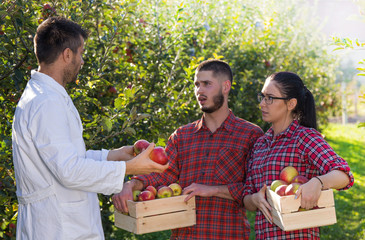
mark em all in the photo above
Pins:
pixel 70 74
pixel 218 101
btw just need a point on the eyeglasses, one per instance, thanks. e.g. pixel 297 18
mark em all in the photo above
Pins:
pixel 268 99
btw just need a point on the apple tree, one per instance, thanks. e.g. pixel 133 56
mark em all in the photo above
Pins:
pixel 140 58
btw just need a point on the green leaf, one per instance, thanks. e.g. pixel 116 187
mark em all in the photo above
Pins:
pixel 118 103
pixel 107 124
pixel 130 131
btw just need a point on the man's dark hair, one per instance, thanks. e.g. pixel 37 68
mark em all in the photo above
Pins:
pixel 55 35
pixel 218 67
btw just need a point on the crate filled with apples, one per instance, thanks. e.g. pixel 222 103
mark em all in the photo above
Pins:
pixel 286 211
pixel 157 208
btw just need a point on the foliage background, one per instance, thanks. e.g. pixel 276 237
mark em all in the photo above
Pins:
pixel 147 51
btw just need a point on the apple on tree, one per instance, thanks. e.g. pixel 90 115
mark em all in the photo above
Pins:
pixel 176 189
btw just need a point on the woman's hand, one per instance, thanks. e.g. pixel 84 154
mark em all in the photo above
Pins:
pixel 310 192
pixel 259 200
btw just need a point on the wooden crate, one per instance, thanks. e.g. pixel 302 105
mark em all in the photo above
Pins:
pixel 284 210
pixel 157 215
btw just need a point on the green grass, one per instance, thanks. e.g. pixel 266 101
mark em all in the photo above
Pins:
pixel 349 142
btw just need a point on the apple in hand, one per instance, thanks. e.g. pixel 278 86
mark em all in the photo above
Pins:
pixel 146 195
pixel 176 189
pixel 288 173
pixel 140 145
pixel 152 189
pixel 158 155
pixel 135 195
pixel 164 192
pixel 300 179
pixel 277 183
pixel 292 188
pixel 281 190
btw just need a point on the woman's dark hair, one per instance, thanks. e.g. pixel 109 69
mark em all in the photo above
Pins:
pixel 218 67
pixel 291 86
pixel 55 35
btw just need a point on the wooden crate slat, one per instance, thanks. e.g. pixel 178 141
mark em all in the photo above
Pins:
pixel 304 219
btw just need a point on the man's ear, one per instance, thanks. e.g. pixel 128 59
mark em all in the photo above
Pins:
pixel 226 86
pixel 67 55
pixel 292 103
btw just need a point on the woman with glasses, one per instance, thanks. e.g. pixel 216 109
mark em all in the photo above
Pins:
pixel 294 141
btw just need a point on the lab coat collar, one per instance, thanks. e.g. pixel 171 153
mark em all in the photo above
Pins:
pixel 49 81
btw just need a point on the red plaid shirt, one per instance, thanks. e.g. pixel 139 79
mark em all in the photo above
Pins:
pixel 298 146
pixel 198 156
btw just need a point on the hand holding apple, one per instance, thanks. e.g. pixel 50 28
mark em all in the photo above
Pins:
pixel 158 155
pixel 140 146
pixel 143 164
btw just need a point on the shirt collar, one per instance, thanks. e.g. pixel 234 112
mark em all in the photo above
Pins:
pixel 49 81
pixel 228 124
pixel 287 133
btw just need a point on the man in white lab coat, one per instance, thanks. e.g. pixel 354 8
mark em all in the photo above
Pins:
pixel 57 179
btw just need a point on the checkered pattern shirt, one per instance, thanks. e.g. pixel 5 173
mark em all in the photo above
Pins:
pixel 298 146
pixel 198 156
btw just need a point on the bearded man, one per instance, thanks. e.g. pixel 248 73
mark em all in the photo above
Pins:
pixel 208 158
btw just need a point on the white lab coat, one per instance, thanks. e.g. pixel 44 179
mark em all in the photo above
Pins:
pixel 57 179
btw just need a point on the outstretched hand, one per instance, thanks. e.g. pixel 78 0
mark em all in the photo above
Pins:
pixel 142 164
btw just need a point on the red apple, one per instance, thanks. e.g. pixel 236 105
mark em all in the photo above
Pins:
pixel 277 183
pixel 140 146
pixel 164 192
pixel 158 155
pixel 176 189
pixel 146 195
pixel 300 179
pixel 112 90
pixel 281 190
pixel 152 189
pixel 288 173
pixel 135 195
pixel 292 188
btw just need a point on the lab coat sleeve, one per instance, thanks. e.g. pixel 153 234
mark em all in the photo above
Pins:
pixel 99 155
pixel 59 145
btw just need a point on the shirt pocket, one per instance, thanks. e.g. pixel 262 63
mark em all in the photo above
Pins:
pixel 230 165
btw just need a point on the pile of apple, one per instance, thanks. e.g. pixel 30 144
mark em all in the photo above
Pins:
pixel 163 191
pixel 289 181
pixel 157 155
